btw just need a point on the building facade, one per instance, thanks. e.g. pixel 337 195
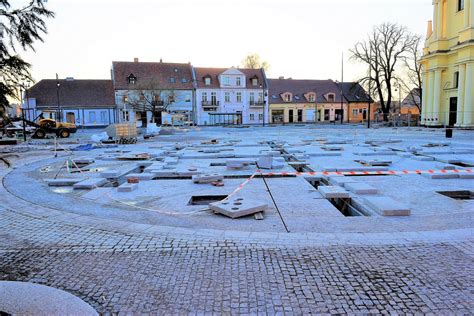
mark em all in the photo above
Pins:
pixel 231 96
pixel 357 100
pixel 86 103
pixel 304 101
pixel 448 65
pixel 158 92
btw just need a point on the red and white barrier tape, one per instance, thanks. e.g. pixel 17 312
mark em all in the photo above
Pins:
pixel 364 173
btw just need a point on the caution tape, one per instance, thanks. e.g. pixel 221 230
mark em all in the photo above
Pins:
pixel 363 173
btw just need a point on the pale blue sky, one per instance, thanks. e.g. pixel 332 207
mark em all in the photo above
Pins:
pixel 299 38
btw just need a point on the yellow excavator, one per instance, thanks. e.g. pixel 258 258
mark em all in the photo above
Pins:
pixel 43 127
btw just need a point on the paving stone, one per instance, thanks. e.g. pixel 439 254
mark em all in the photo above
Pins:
pixel 62 182
pixel 422 158
pixel 387 206
pixel 127 187
pixel 333 192
pixel 207 178
pixel 360 188
pixel 265 162
pixel 141 176
pixel 441 175
pixel 91 183
pixel 341 180
pixel 236 207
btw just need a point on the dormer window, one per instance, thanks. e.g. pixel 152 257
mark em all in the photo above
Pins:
pixel 226 81
pixel 172 80
pixel 311 97
pixel 207 81
pixel 131 79
pixel 287 97
pixel 331 97
pixel 238 81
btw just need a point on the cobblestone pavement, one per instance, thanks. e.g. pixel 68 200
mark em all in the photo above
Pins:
pixel 117 272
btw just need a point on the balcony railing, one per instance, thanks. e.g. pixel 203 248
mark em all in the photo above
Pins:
pixel 257 104
pixel 210 105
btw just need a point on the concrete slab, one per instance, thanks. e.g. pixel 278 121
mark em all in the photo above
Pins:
pixel 207 178
pixel 333 192
pixel 91 183
pixel 387 206
pixel 236 207
pixel 127 187
pixel 63 182
pixel 360 188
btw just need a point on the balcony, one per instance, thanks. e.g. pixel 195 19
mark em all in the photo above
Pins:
pixel 256 104
pixel 210 106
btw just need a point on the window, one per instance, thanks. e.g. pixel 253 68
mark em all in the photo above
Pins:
pixel 204 97
pixel 170 98
pixel 456 80
pixel 355 112
pixel 187 98
pixel 260 117
pixel 331 98
pixel 103 116
pixel 172 80
pixel 287 97
pixel 252 117
pixel 92 118
pixel 239 96
pixel 131 79
pixel 311 97
pixel 237 81
pixel 226 81
pixel 213 98
pixel 460 5
pixel 254 82
pixel 207 81
pixel 227 97
pixel 125 116
pixel 260 97
pixel 252 98
pixel 125 99
pixel 184 80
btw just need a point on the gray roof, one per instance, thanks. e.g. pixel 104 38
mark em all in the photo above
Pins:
pixel 353 92
pixel 299 88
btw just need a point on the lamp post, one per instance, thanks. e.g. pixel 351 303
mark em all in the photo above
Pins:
pixel 263 104
pixel 57 97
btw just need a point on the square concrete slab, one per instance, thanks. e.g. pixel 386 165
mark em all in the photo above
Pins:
pixel 387 206
pixel 236 207
pixel 127 187
pixel 360 188
pixel 333 192
pixel 91 183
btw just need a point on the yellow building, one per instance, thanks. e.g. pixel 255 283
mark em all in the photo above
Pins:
pixel 448 65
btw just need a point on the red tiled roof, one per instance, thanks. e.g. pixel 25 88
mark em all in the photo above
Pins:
pixel 299 88
pixel 214 73
pixel 83 93
pixel 152 75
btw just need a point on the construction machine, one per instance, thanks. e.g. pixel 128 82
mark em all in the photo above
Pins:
pixel 43 127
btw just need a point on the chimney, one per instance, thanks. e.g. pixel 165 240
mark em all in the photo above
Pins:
pixel 135 60
pixel 161 60
pixel 429 31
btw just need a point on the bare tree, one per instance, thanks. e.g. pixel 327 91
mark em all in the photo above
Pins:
pixel 253 61
pixel 386 47
pixel 413 67
pixel 149 97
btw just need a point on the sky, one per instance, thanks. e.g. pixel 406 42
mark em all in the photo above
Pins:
pixel 302 39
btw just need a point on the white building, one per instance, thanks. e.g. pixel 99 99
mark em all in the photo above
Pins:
pixel 157 92
pixel 86 103
pixel 231 96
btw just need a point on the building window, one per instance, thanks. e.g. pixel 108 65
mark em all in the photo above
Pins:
pixel 287 97
pixel 172 80
pixel 252 117
pixel 355 112
pixel 227 97
pixel 331 98
pixel 254 82
pixel 187 98
pixel 213 98
pixel 239 96
pixel 237 81
pixel 456 80
pixel 460 5
pixel 125 116
pixel 103 116
pixel 311 98
pixel 207 81
pixel 260 97
pixel 260 117
pixel 92 118
pixel 204 97
pixel 184 80
pixel 131 79
pixel 226 81
pixel 125 99
pixel 252 98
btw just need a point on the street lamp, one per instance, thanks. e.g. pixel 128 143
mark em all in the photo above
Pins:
pixel 263 104
pixel 57 97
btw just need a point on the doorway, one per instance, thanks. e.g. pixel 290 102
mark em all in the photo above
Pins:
pixel 326 114
pixel 70 117
pixel 290 116
pixel 453 107
pixel 300 115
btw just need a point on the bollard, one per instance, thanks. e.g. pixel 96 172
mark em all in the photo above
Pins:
pixel 449 133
